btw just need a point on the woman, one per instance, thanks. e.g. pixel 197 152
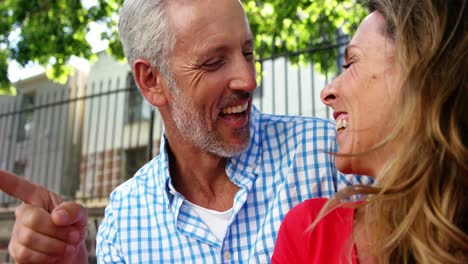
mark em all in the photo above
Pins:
pixel 400 106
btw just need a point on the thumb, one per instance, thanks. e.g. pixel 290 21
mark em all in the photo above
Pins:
pixel 70 213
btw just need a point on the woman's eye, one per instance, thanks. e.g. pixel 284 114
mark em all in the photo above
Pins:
pixel 248 54
pixel 346 66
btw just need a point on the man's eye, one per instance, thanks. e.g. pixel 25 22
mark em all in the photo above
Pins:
pixel 213 65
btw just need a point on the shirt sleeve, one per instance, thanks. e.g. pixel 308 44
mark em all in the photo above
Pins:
pixel 353 179
pixel 107 244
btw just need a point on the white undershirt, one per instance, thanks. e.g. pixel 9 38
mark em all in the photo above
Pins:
pixel 216 221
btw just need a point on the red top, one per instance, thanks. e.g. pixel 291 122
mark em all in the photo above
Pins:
pixel 329 242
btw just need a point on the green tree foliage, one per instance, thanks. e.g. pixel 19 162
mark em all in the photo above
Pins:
pixel 296 25
pixel 49 32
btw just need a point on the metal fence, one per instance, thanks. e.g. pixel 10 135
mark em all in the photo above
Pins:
pixel 80 146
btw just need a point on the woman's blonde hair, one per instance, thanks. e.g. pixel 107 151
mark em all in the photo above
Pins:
pixel 417 212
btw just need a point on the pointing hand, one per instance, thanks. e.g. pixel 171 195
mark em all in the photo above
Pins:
pixel 46 230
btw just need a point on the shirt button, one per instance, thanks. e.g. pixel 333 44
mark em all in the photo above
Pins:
pixel 227 256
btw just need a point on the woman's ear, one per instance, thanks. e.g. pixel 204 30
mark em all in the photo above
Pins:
pixel 151 82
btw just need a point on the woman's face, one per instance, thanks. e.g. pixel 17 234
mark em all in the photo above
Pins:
pixel 363 98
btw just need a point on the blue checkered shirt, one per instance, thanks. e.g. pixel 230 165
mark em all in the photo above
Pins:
pixel 148 221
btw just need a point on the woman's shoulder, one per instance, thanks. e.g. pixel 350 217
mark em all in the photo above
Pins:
pixel 311 206
pixel 299 241
pixel 306 212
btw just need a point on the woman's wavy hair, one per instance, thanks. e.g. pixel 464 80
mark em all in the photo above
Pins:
pixel 417 212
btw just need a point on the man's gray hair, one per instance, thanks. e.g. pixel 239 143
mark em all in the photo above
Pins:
pixel 145 33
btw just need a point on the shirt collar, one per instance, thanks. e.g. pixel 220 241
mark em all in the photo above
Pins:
pixel 241 169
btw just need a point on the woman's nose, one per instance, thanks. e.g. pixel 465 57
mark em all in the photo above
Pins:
pixel 327 95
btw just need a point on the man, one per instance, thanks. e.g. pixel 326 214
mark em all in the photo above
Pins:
pixel 226 175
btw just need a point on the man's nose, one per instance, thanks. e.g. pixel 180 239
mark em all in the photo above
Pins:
pixel 328 94
pixel 244 76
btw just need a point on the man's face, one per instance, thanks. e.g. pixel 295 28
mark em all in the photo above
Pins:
pixel 213 69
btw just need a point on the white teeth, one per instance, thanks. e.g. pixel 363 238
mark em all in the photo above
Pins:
pixel 236 109
pixel 341 124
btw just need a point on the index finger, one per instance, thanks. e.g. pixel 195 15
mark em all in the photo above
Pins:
pixel 20 188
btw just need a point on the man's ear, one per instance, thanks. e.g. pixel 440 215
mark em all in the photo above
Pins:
pixel 151 82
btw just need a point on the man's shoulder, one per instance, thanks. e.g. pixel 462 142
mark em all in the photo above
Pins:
pixel 272 119
pixel 297 126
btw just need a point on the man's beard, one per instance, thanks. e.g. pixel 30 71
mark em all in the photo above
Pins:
pixel 189 120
